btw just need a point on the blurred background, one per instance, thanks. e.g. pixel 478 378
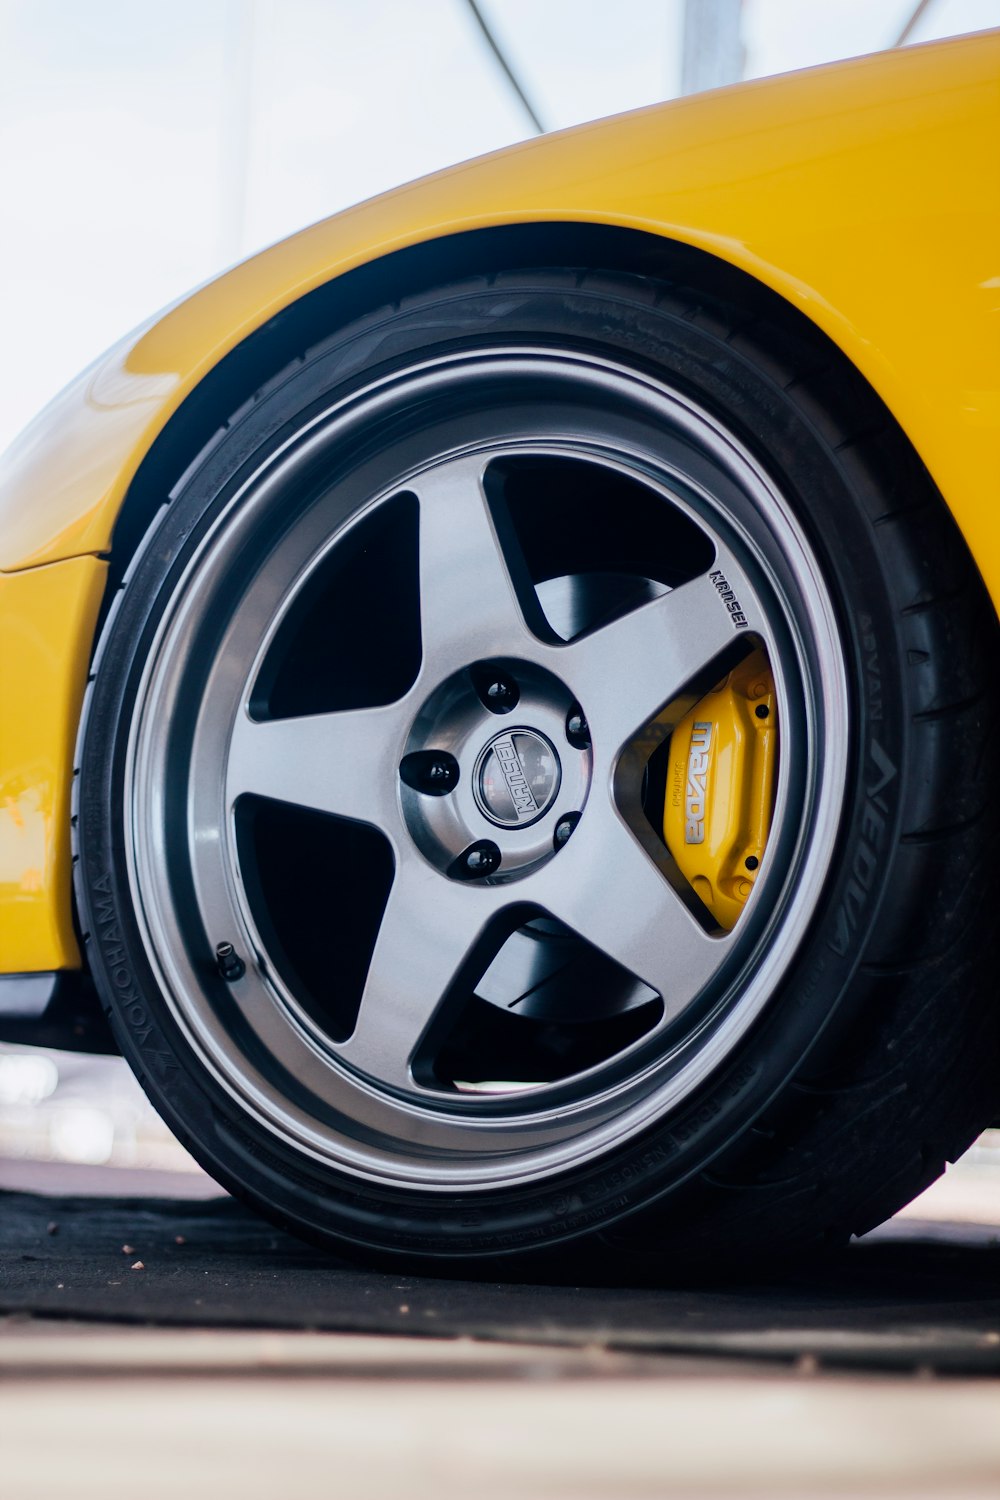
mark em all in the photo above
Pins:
pixel 144 147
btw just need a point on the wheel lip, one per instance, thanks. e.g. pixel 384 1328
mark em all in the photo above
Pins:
pixel 250 1088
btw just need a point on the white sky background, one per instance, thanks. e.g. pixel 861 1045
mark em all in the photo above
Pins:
pixel 144 146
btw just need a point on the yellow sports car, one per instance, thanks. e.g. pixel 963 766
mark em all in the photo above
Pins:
pixel 499 695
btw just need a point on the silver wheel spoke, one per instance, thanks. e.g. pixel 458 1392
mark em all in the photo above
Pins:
pixel 430 938
pixel 468 603
pixel 341 763
pixel 611 893
pixel 626 671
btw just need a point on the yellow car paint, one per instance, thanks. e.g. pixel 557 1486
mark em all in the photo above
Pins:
pixel 867 194
pixel 720 788
pixel 47 622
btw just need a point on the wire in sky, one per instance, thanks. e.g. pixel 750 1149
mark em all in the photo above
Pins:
pixel 910 26
pixel 512 79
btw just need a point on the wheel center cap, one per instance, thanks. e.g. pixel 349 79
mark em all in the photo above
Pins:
pixel 516 778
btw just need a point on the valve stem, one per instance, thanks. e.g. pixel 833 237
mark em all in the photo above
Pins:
pixel 229 963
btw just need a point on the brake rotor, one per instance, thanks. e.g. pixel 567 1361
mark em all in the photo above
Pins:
pixel 720 788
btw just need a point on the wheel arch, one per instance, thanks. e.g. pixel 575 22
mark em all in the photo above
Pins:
pixel 408 272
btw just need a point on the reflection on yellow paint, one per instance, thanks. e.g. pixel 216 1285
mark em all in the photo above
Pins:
pixel 24 837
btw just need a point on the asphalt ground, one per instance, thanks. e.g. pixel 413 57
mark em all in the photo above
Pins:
pixel 912 1299
pixel 157 1338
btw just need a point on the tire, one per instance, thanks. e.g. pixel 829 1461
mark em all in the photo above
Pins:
pixel 450 1023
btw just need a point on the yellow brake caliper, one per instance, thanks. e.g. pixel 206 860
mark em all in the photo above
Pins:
pixel 720 788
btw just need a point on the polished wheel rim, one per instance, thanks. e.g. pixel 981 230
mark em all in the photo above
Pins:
pixel 504 785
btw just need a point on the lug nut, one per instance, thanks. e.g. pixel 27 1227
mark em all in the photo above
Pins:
pixel 497 690
pixel 478 861
pixel 762 711
pixel 577 729
pixel 229 963
pixel 564 829
pixel 433 772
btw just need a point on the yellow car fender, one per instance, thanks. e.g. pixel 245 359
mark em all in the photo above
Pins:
pixel 867 194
